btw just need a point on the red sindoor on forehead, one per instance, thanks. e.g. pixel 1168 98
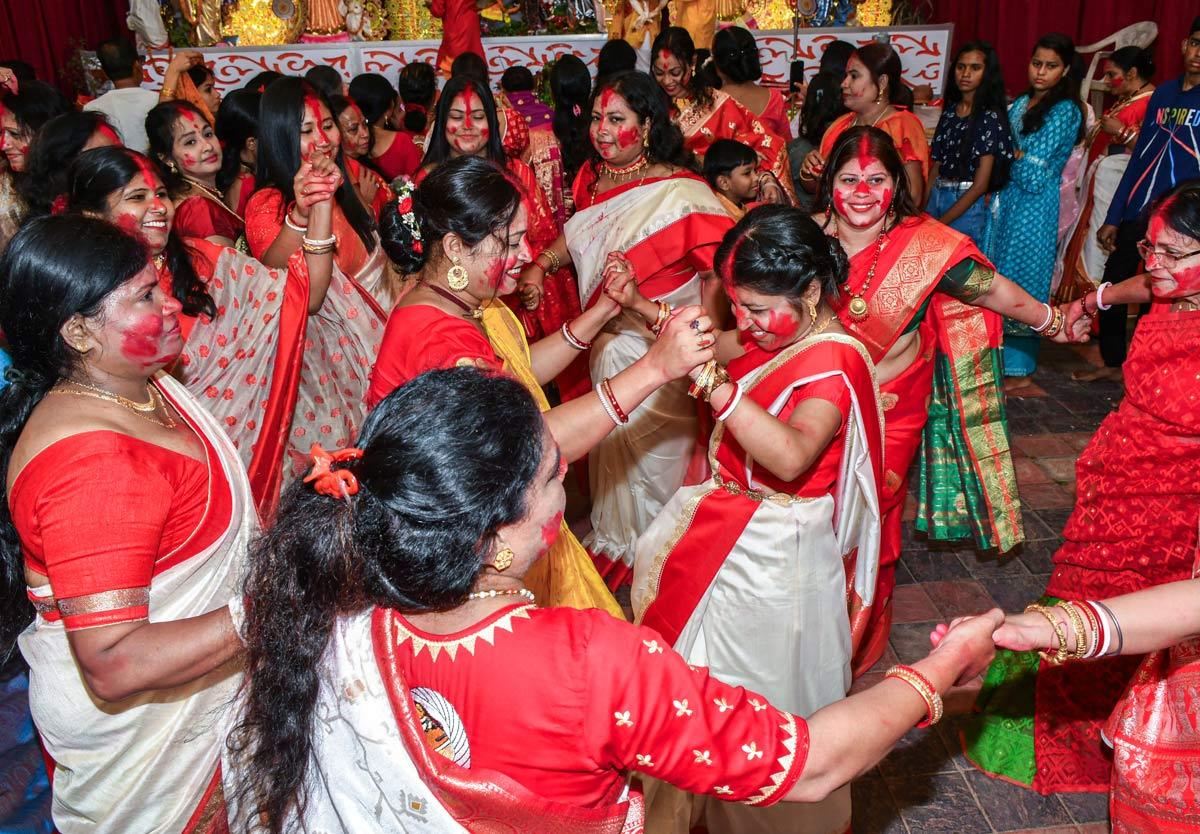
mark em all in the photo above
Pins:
pixel 146 170
pixel 106 130
pixel 865 157
pixel 312 103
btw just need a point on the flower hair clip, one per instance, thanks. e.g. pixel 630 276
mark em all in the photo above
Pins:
pixel 576 110
pixel 336 483
pixel 403 188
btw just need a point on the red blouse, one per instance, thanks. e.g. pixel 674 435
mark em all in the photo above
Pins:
pixel 203 217
pixel 402 157
pixel 419 338
pixel 566 702
pixel 102 513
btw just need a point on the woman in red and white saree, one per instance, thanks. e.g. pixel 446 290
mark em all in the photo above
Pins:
pixel 924 301
pixel 253 354
pixel 133 516
pixel 706 114
pixel 786 530
pixel 1135 525
pixel 635 199
pixel 294 125
pixel 441 325
pixel 439 694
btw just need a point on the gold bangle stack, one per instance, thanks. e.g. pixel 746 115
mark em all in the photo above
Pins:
pixel 318 247
pixel 1060 635
pixel 1077 625
pixel 711 377
pixel 1055 325
pixel 554 265
pixel 933 701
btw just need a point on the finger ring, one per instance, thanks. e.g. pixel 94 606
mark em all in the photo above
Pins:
pixel 695 325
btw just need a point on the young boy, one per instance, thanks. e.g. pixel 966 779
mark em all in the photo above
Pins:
pixel 730 168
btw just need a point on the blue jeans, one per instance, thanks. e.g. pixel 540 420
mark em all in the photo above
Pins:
pixel 972 223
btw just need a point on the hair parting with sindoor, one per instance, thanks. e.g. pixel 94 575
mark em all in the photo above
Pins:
pixel 447 459
pixel 781 251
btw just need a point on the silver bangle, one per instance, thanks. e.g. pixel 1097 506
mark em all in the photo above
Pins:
pixel 329 241
pixel 287 220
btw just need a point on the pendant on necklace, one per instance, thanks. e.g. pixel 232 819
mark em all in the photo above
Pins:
pixel 858 308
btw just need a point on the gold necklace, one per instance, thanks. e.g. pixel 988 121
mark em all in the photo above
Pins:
pixel 858 123
pixel 144 410
pixel 858 306
pixel 211 193
pixel 639 164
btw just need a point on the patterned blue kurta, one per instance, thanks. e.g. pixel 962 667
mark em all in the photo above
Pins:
pixel 1024 234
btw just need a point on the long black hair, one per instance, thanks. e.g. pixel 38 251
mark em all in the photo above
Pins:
pixel 646 99
pixel 437 146
pixel 237 124
pixel 91 181
pixel 780 250
pixel 54 268
pixel 417 85
pixel 878 145
pixel 160 130
pixel 35 104
pixel 59 142
pixel 823 101
pixel 468 196
pixel 279 118
pixel 1067 88
pixel 571 87
pixel 990 96
pixel 447 459
pixel 735 52
pixel 676 41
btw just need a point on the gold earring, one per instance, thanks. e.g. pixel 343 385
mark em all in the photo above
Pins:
pixel 457 277
pixel 646 140
pixel 504 558
pixel 812 311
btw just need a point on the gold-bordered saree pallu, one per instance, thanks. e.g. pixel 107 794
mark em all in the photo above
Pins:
pixel 730 519
pixel 949 404
pixel 150 762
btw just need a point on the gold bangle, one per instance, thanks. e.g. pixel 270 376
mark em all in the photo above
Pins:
pixel 310 249
pixel 1077 625
pixel 1059 634
pixel 934 709
pixel 664 313
pixel 555 263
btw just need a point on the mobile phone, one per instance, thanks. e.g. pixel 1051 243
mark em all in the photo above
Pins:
pixel 796 77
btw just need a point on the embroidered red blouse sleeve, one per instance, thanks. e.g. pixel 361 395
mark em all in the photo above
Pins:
pixel 650 712
pixel 420 338
pixel 98 554
pixel 542 229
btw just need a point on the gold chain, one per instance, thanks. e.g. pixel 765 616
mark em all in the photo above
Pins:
pixel 145 410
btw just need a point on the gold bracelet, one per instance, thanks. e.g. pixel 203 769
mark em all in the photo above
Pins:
pixel 1059 633
pixel 555 263
pixel 316 249
pixel 934 708
pixel 664 313
pixel 1077 625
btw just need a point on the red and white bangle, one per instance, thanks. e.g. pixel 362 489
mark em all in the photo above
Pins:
pixel 1100 305
pixel 573 340
pixel 298 229
pixel 933 701
pixel 604 392
pixel 730 404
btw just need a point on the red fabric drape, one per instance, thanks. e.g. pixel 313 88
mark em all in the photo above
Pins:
pixel 1012 27
pixel 46 32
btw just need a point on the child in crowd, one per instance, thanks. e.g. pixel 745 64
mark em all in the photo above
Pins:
pixel 731 169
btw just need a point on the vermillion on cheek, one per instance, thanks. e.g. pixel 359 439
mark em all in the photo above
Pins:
pixel 495 272
pixel 1117 81
pixel 550 529
pixel 129 224
pixel 140 343
pixel 312 108
pixel 886 201
pixel 781 324
pixel 839 202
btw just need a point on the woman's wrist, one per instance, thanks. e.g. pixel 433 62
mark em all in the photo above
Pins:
pixel 647 309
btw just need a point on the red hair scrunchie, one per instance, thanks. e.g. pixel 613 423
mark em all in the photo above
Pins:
pixel 336 483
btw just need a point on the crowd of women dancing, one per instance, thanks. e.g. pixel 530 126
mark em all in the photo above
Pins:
pixel 294 396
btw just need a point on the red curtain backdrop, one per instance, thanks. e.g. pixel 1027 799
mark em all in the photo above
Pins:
pixel 1012 27
pixel 46 32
